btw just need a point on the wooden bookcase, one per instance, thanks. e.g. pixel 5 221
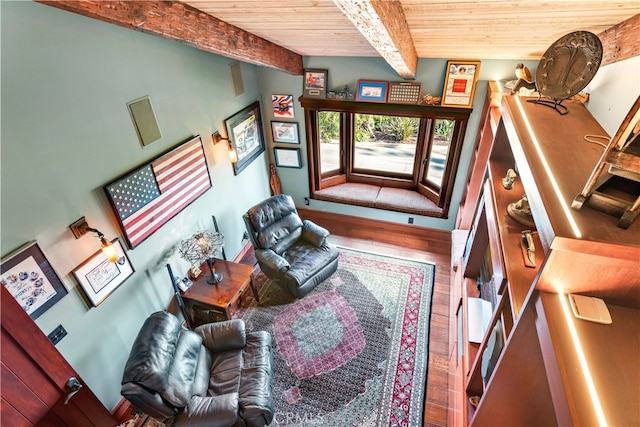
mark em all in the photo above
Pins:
pixel 527 369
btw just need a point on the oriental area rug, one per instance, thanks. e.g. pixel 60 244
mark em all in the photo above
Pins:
pixel 354 351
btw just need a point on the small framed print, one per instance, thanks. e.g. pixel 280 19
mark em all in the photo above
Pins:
pixel 282 106
pixel 371 91
pixel 315 83
pixel 31 280
pixel 244 129
pixel 460 83
pixel 287 157
pixel 286 133
pixel 404 93
pixel 98 277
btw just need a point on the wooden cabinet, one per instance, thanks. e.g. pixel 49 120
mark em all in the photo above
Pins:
pixel 537 364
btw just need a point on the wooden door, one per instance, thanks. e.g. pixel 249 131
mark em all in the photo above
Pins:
pixel 34 378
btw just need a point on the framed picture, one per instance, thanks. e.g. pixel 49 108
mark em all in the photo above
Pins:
pixel 315 84
pixel 282 106
pixel 371 91
pixel 244 130
pixel 460 83
pixel 158 190
pixel 287 157
pixel 98 277
pixel 287 133
pixel 28 276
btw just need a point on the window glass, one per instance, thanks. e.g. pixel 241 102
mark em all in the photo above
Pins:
pixel 441 142
pixel 329 129
pixel 385 144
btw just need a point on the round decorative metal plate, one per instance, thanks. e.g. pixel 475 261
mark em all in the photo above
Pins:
pixel 568 65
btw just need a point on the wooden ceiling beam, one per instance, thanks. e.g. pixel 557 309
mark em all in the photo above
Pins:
pixel 178 21
pixel 383 24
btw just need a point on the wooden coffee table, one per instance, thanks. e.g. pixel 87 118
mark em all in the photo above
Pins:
pixel 224 298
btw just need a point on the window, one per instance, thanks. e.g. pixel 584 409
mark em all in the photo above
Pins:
pixel 385 145
pixel 411 147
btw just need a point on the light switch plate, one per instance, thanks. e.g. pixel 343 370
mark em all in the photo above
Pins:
pixel 590 308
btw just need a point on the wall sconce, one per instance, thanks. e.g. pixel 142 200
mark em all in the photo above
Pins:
pixel 80 228
pixel 233 156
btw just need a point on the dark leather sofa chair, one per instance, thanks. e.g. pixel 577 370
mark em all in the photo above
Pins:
pixel 292 252
pixel 217 375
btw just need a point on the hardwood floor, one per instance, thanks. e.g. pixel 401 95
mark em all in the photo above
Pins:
pixel 435 411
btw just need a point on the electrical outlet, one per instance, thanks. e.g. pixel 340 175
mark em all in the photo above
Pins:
pixel 57 334
pixel 306 201
pixel 410 220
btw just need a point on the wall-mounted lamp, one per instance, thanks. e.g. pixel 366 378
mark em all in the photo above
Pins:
pixel 233 156
pixel 80 228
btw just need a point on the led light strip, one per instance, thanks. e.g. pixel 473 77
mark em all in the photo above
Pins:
pixel 536 144
pixel 595 400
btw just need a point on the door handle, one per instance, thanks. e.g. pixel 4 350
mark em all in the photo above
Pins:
pixel 74 385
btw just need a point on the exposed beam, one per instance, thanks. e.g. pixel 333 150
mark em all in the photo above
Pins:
pixel 621 41
pixel 383 24
pixel 178 21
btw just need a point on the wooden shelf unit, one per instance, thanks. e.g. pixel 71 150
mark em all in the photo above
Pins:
pixel 535 379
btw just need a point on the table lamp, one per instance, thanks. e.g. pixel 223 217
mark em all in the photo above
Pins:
pixel 203 246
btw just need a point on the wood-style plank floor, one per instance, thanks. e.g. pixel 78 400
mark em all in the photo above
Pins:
pixel 435 411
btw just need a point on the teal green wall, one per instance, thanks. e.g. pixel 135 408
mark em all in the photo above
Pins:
pixel 66 131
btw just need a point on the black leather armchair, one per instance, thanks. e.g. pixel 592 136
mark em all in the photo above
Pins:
pixel 293 253
pixel 217 375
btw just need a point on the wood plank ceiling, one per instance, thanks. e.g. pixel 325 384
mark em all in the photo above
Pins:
pixel 452 29
pixel 278 33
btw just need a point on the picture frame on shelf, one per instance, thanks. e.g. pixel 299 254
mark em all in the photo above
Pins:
pixel 31 280
pixel 285 133
pixel 282 106
pixel 315 83
pixel 287 157
pixel 98 277
pixel 460 83
pixel 244 130
pixel 404 93
pixel 371 91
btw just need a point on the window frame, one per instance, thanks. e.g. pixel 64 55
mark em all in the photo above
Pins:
pixel 427 115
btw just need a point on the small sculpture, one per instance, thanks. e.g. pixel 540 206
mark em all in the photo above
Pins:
pixel 525 80
pixel 431 100
pixel 509 179
pixel 520 211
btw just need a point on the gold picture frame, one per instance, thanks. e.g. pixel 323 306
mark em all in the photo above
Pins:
pixel 460 83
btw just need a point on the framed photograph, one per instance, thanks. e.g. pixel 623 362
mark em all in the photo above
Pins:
pixel 460 83
pixel 286 133
pixel 98 277
pixel 287 157
pixel 315 84
pixel 282 106
pixel 244 130
pixel 371 91
pixel 28 276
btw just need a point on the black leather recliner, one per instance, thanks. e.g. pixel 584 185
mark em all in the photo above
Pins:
pixel 293 253
pixel 217 375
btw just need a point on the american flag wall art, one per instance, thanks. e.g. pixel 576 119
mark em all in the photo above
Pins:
pixel 145 199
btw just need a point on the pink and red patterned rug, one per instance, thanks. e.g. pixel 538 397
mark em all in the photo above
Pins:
pixel 353 352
